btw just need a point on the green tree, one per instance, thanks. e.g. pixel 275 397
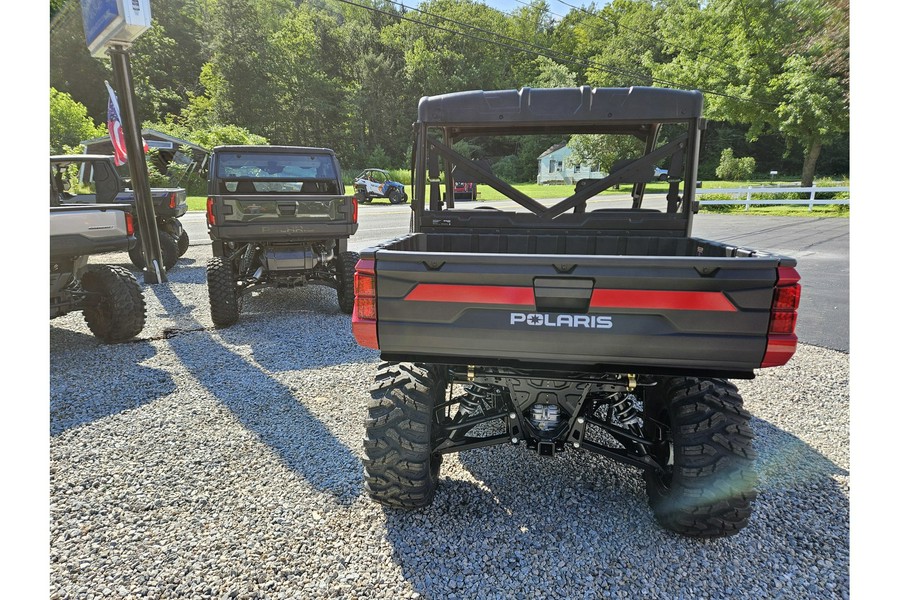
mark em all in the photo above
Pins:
pixel 617 43
pixel 72 70
pixel 69 123
pixel 532 27
pixel 445 53
pixel 243 93
pixel 167 58
pixel 603 150
pixel 55 6
pixel 807 111
pixel 311 105
pixel 745 55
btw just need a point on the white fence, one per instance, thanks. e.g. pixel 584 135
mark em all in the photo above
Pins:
pixel 748 192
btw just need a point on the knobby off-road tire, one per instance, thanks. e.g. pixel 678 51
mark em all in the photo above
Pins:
pixel 346 269
pixel 710 485
pixel 396 196
pixel 114 308
pixel 168 245
pixel 183 242
pixel 224 303
pixel 400 469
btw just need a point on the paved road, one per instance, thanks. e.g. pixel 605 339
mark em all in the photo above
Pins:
pixel 820 245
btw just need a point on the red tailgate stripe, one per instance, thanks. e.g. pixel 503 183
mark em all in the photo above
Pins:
pixel 661 299
pixel 475 294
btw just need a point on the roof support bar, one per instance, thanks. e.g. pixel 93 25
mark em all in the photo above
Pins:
pixel 484 176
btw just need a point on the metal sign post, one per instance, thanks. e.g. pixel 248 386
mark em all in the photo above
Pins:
pixel 154 272
pixel 110 26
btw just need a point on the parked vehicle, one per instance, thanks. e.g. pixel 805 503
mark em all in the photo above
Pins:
pixel 465 190
pixel 377 183
pixel 109 296
pixel 612 331
pixel 464 186
pixel 277 217
pixel 93 179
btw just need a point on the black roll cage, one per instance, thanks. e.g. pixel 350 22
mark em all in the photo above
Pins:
pixel 640 112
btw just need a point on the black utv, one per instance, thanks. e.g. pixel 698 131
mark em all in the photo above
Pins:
pixel 277 217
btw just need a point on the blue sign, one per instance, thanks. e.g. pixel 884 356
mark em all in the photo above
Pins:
pixel 97 16
pixel 113 22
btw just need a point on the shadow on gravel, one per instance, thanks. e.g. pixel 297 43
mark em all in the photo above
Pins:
pixel 116 383
pixel 266 407
pixel 291 329
pixel 579 525
pixel 185 262
pixel 184 271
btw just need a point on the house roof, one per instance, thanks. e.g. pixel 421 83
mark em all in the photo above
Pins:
pixel 163 141
pixel 552 149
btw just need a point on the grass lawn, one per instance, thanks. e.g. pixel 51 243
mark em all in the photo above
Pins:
pixel 196 203
pixel 825 210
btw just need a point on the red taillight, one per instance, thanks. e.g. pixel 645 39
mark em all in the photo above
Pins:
pixel 129 223
pixel 365 309
pixel 355 210
pixel 173 200
pixel 210 215
pixel 364 286
pixel 783 321
pixel 786 298
pixel 782 341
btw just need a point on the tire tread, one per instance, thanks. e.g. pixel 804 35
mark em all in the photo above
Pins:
pixel 714 481
pixel 400 469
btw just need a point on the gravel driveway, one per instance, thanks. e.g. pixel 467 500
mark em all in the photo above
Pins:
pixel 204 463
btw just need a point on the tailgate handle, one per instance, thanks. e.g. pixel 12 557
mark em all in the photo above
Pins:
pixel 287 208
pixel 569 295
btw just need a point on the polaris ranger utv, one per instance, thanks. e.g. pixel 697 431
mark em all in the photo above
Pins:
pixel 570 325
pixel 96 181
pixel 277 217
pixel 109 297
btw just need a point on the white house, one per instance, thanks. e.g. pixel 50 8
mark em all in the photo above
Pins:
pixel 555 166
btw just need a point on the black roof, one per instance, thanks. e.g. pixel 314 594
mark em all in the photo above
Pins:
pixel 272 149
pixel 581 108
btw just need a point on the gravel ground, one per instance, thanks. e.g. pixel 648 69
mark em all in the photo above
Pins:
pixel 204 463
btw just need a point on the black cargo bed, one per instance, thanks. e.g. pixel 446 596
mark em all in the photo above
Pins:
pixel 635 303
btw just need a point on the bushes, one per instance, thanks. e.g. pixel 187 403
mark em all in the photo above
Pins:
pixel 735 168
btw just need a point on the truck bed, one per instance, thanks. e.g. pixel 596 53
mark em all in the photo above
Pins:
pixel 626 303
pixel 167 202
pixel 87 230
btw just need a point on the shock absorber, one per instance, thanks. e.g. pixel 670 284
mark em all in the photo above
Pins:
pixel 247 260
pixel 625 411
pixel 628 415
pixel 477 400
